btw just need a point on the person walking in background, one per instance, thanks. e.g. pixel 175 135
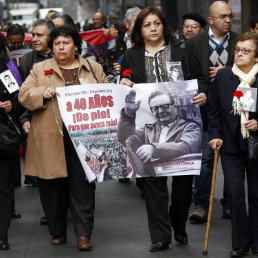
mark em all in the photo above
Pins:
pixel 234 129
pixel 254 25
pixel 41 30
pixel 213 49
pixel 15 36
pixel 194 23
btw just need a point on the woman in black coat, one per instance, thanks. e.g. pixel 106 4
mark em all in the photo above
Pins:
pixel 10 109
pixel 153 48
pixel 234 125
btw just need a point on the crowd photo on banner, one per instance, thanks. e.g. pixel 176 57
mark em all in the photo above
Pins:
pixel 132 101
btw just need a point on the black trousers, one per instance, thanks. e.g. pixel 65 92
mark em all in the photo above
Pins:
pixel 75 191
pixel 7 165
pixel 244 223
pixel 160 218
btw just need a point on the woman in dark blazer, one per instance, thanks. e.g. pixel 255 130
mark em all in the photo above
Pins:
pixel 227 122
pixel 153 47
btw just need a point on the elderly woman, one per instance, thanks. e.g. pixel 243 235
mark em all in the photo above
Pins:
pixel 233 128
pixel 50 155
pixel 10 110
pixel 153 48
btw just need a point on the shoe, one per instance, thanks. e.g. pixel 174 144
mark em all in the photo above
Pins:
pixel 255 252
pixel 4 245
pixel 239 252
pixel 226 214
pixel 43 220
pixel 33 182
pixel 58 240
pixel 160 246
pixel 198 216
pixel 124 180
pixel 16 215
pixel 83 243
pixel 182 239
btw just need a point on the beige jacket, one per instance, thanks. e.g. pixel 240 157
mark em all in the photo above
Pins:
pixel 45 156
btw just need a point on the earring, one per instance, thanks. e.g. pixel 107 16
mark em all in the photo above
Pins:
pixel 76 53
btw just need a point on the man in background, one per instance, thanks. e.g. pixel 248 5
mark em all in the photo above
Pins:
pixel 213 49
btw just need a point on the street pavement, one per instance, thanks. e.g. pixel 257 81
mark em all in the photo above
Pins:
pixel 120 228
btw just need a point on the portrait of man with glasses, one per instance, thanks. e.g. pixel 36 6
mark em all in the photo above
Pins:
pixel 164 140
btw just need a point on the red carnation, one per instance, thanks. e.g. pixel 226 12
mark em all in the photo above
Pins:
pixel 127 73
pixel 49 73
pixel 238 94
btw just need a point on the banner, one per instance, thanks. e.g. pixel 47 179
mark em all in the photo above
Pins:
pixel 148 130
pixel 16 55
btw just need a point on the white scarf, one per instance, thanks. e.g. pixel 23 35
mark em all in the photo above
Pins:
pixel 246 80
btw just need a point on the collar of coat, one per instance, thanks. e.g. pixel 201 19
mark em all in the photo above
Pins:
pixel 55 67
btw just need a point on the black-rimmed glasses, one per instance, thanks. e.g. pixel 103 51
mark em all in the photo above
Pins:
pixel 163 107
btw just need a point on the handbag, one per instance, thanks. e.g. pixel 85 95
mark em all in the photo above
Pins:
pixel 252 148
pixel 9 140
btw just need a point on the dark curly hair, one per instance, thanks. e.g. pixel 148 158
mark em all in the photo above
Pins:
pixel 136 36
pixel 66 31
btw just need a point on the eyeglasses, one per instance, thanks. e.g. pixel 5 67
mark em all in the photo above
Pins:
pixel 191 26
pixel 14 44
pixel 224 16
pixel 163 107
pixel 244 51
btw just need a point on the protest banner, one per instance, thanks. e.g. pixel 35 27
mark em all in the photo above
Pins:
pixel 16 55
pixel 112 145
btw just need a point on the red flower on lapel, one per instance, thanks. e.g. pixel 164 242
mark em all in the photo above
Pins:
pixel 49 73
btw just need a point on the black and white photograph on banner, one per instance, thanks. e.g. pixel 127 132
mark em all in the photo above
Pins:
pixel 174 70
pixel 9 81
pixel 122 132
pixel 16 55
pixel 168 140
pixel 248 101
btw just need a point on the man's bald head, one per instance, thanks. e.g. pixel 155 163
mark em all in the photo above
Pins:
pixel 217 5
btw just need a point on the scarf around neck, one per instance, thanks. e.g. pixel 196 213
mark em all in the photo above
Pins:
pixel 246 81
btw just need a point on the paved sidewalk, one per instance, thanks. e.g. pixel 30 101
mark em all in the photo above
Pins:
pixel 120 228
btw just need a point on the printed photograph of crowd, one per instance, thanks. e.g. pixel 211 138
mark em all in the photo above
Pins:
pixel 103 153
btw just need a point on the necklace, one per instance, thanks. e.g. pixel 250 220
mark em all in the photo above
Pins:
pixel 70 75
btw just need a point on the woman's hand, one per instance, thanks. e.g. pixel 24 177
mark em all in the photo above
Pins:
pixel 49 93
pixel 26 127
pixel 251 125
pixel 200 99
pixel 117 68
pixel 216 144
pixel 6 105
pixel 127 82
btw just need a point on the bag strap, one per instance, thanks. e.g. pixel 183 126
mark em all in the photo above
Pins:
pixel 93 73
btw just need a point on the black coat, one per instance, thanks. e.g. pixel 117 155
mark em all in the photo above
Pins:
pixel 223 124
pixel 199 48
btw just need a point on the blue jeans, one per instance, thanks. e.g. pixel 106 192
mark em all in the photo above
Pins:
pixel 202 188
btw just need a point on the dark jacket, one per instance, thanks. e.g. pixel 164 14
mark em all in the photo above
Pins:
pixel 199 47
pixel 223 124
